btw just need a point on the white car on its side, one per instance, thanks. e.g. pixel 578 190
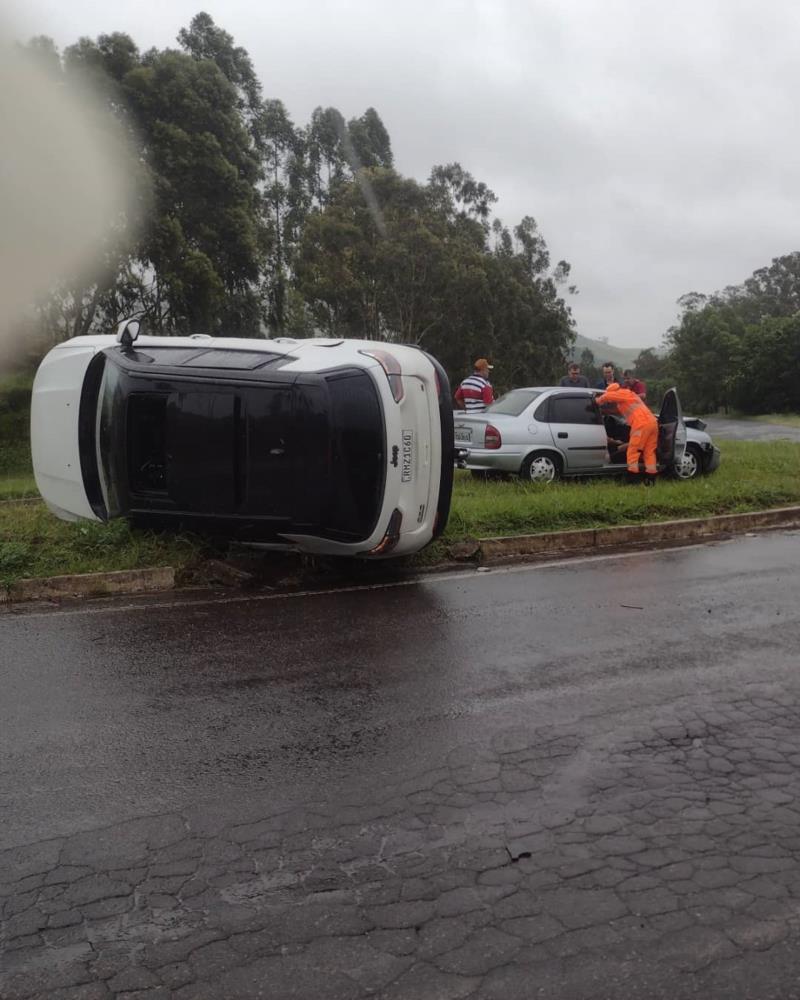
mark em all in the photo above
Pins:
pixel 337 447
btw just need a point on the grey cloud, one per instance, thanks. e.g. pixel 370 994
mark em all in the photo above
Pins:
pixel 655 144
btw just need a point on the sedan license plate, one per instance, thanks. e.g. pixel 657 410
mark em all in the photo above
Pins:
pixel 464 434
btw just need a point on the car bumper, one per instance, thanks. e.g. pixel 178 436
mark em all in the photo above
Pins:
pixel 490 461
pixel 448 448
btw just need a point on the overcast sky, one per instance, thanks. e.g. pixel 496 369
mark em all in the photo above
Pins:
pixel 656 145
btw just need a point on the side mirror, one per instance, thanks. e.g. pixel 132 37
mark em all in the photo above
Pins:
pixel 128 331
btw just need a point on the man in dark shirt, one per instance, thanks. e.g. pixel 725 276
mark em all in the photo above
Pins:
pixel 609 376
pixel 573 379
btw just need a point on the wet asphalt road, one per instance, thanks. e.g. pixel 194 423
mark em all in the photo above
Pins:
pixel 574 780
pixel 749 430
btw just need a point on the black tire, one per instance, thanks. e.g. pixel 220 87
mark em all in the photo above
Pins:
pixel 541 467
pixel 691 466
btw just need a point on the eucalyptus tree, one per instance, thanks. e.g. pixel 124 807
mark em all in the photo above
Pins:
pixel 425 271
pixel 205 242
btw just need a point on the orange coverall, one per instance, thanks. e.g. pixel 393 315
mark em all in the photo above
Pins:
pixel 643 425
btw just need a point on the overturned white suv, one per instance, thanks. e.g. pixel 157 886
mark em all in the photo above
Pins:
pixel 336 447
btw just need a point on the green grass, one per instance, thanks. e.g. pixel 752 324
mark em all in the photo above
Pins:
pixel 17 487
pixel 15 451
pixel 752 476
pixel 34 543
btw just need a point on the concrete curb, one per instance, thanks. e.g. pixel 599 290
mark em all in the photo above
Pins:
pixel 484 551
pixel 518 548
pixel 126 581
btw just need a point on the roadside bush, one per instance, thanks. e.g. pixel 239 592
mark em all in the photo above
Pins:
pixel 15 394
pixel 95 537
pixel 13 557
pixel 15 405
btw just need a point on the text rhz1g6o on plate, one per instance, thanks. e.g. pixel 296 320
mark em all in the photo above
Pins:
pixel 408 456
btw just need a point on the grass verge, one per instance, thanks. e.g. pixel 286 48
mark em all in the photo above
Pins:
pixel 753 476
pixel 16 475
pixel 17 487
pixel 34 543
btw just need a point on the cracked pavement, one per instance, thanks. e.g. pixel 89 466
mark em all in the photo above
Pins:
pixel 561 841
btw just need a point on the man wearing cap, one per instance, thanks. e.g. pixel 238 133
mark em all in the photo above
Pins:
pixel 475 392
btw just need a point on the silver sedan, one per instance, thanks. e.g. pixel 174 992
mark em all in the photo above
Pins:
pixel 542 433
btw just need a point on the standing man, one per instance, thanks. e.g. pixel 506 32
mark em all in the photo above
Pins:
pixel 644 431
pixel 475 392
pixel 635 385
pixel 574 379
pixel 609 376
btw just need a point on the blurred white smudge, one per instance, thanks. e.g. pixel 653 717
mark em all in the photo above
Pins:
pixel 363 181
pixel 63 184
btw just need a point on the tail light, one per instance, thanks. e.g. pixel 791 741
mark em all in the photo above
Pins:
pixel 491 438
pixel 391 366
pixel 392 536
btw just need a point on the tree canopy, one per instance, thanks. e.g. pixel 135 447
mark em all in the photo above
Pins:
pixel 740 348
pixel 250 224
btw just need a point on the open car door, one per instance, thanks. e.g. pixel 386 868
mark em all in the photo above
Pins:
pixel 671 430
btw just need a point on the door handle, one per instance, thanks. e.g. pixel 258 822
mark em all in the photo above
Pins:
pixel 563 434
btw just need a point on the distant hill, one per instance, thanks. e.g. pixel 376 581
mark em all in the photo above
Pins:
pixel 622 357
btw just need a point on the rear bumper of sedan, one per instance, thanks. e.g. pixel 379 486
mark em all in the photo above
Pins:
pixel 482 459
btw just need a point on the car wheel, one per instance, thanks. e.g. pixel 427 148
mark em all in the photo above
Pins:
pixel 540 467
pixel 691 465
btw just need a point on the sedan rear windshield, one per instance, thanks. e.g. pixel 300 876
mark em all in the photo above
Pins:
pixel 514 402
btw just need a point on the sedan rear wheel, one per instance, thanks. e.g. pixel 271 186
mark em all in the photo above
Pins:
pixel 540 468
pixel 690 465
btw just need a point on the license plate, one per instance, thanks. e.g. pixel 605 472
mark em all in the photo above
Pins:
pixel 408 457
pixel 464 434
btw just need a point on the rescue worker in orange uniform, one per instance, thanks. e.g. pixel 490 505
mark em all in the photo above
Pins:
pixel 644 431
